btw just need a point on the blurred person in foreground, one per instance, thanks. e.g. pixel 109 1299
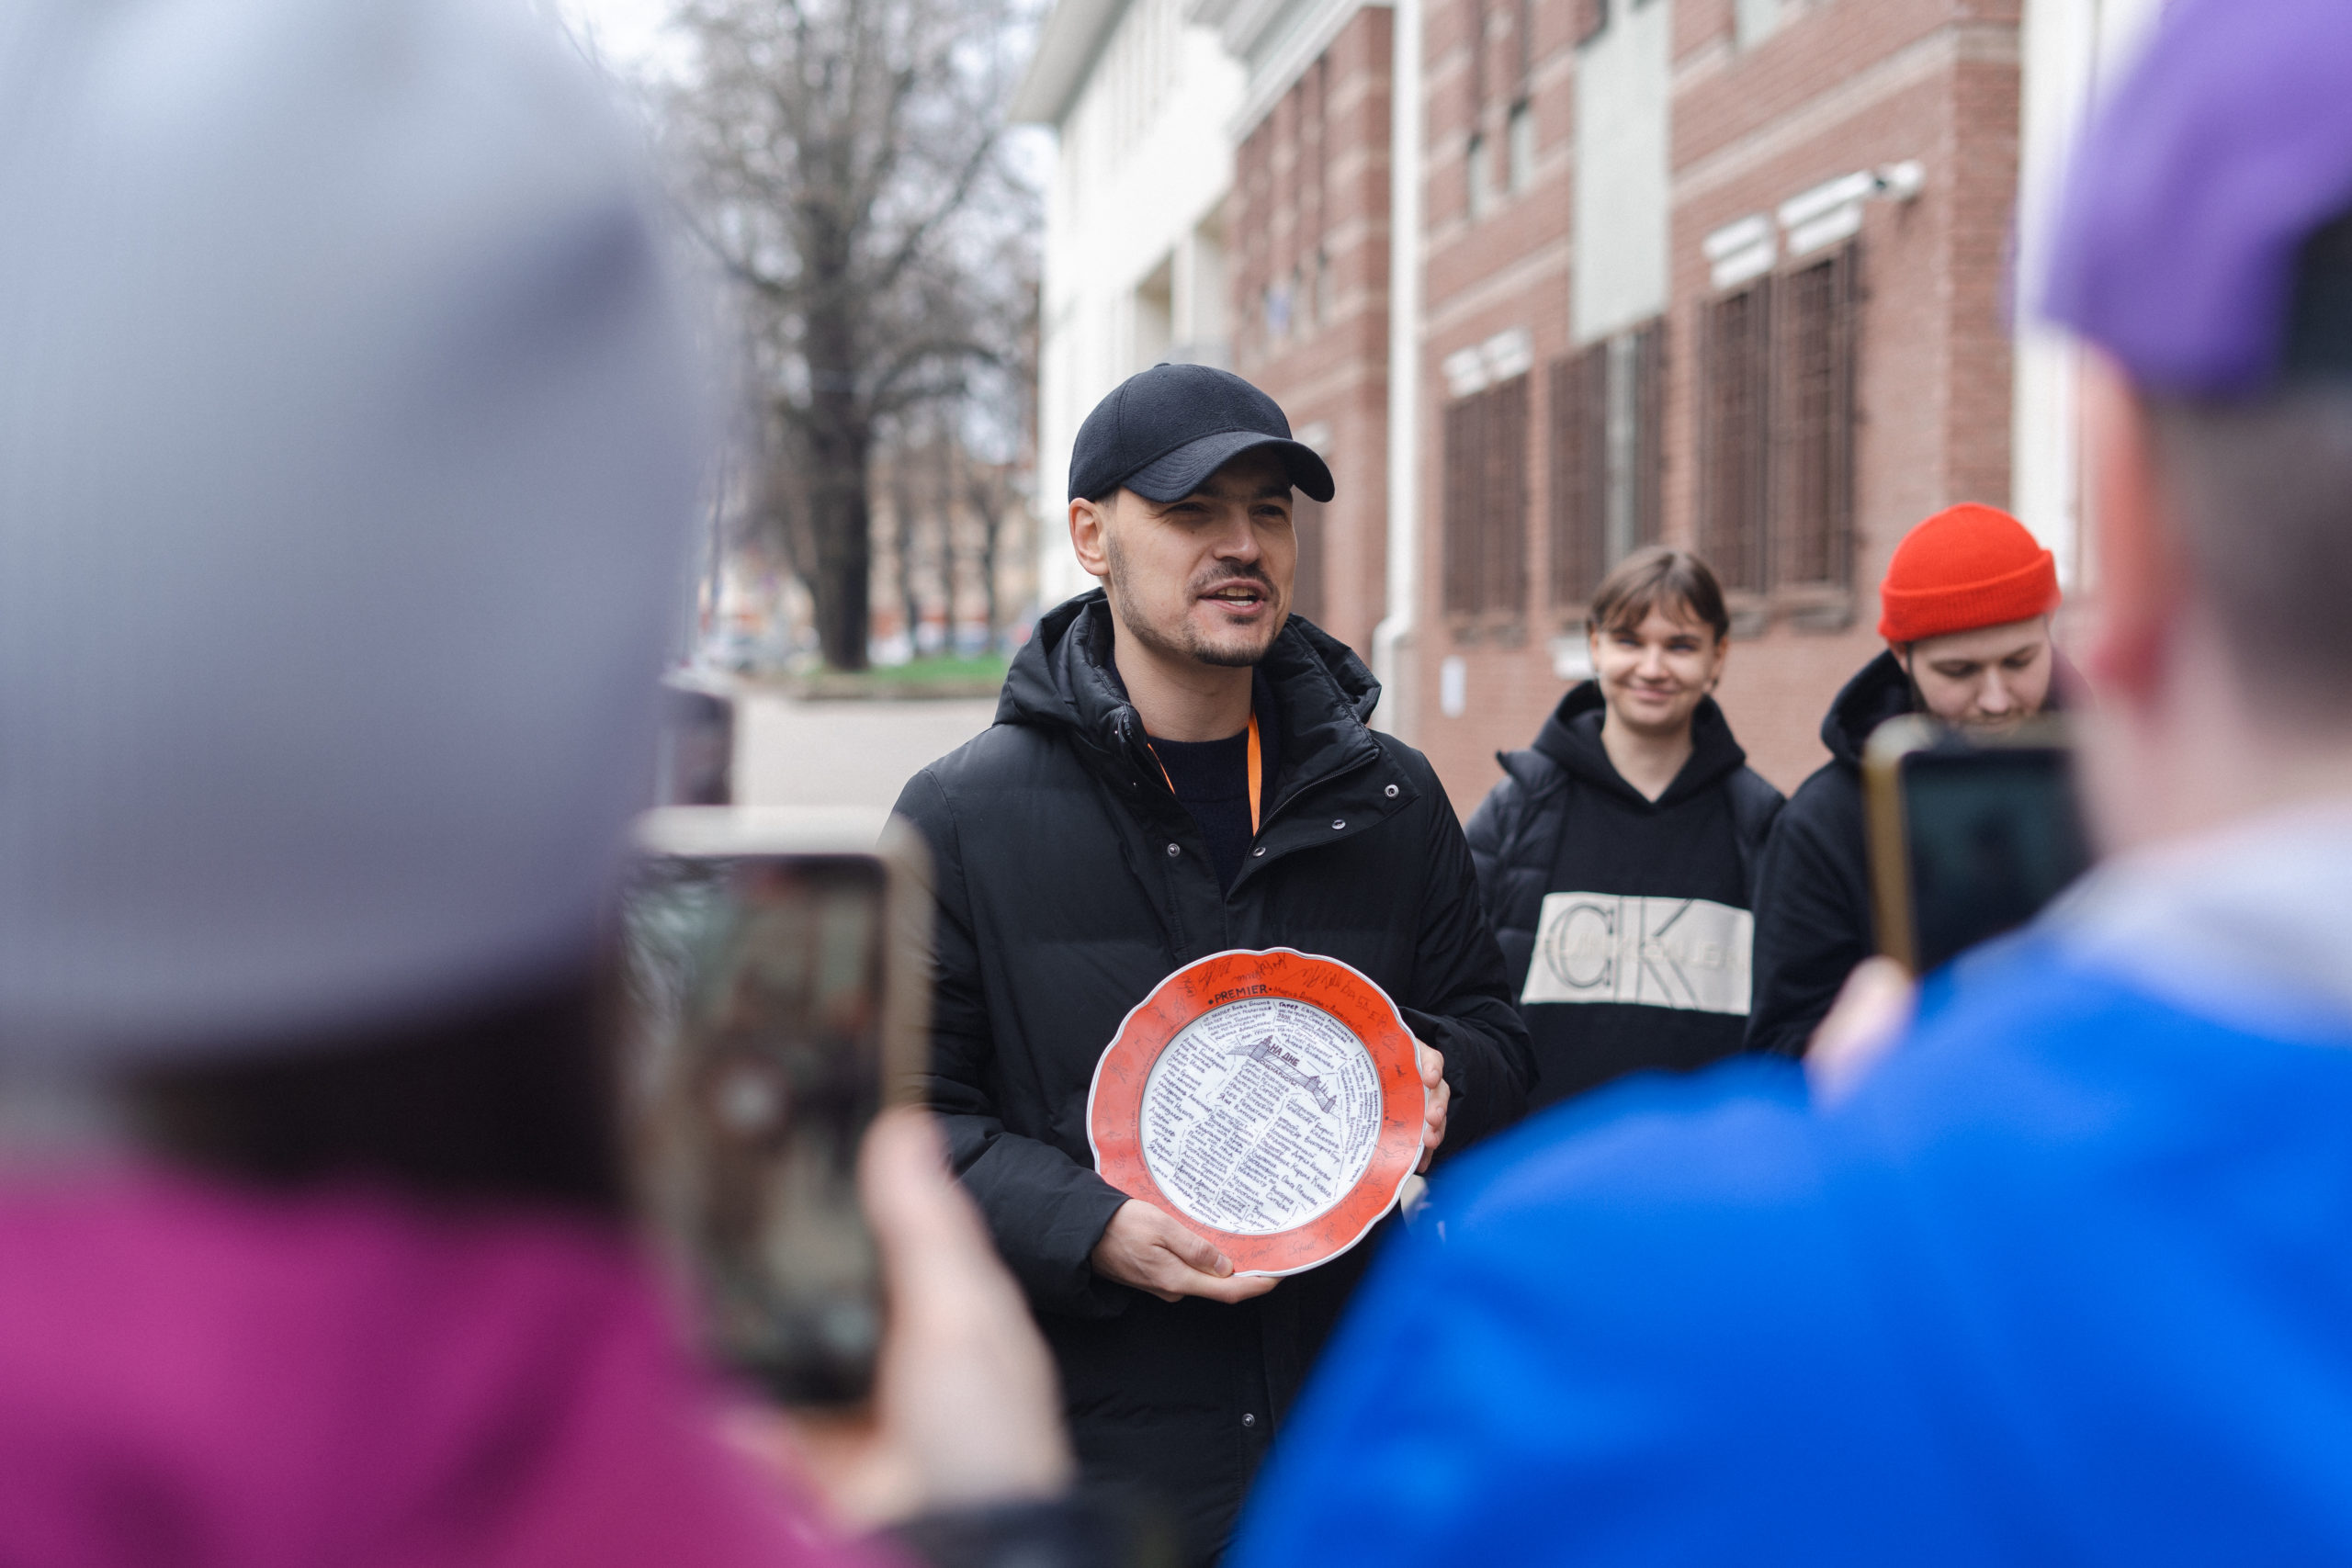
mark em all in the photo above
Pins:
pixel 1965 611
pixel 2053 1270
pixel 1617 858
pixel 348 447
pixel 1181 766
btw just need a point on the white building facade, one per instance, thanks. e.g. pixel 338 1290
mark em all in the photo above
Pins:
pixel 2075 50
pixel 1141 101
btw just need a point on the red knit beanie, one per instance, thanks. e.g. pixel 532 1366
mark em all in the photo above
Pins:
pixel 1966 566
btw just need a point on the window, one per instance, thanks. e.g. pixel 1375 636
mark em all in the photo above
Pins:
pixel 1753 22
pixel 1608 458
pixel 1736 358
pixel 1486 502
pixel 1813 463
pixel 1580 474
pixel 1306 592
pixel 1520 142
pixel 1481 188
pixel 1777 415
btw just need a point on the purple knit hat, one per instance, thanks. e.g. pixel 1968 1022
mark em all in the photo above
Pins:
pixel 2191 196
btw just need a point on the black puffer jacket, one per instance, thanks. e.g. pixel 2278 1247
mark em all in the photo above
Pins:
pixel 1070 882
pixel 1816 918
pixel 1813 896
pixel 1563 820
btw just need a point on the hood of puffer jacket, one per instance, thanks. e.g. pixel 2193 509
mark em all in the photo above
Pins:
pixel 1879 691
pixel 1064 678
pixel 1577 749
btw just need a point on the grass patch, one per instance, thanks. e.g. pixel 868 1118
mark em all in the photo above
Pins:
pixel 939 667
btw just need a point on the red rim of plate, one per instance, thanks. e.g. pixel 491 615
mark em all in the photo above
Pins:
pixel 1115 1104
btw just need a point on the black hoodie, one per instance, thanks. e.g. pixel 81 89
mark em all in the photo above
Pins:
pixel 1813 892
pixel 1565 835
pixel 1070 882
pixel 1815 919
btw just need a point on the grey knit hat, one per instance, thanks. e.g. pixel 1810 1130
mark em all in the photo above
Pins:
pixel 350 431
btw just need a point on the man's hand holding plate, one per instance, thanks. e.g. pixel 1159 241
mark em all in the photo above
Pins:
pixel 1441 1096
pixel 1144 1248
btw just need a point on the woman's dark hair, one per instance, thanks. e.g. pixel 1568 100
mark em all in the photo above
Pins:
pixel 1658 578
pixel 508 1101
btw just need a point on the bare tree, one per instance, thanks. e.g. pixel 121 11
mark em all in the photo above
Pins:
pixel 848 173
pixel 998 428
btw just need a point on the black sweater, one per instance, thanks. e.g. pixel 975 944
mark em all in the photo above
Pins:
pixel 1625 907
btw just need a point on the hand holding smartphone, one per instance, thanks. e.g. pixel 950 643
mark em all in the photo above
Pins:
pixel 777 964
pixel 1969 835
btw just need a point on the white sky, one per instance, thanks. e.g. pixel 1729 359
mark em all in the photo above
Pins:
pixel 627 33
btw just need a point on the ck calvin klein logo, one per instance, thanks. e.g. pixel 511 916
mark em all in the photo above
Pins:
pixel 1670 953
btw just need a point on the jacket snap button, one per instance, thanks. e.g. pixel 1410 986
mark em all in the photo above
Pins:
pixel 1339 822
pixel 1173 852
pixel 1248 1418
pixel 1259 850
pixel 1392 791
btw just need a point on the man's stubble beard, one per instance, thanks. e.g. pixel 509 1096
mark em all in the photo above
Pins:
pixel 1198 650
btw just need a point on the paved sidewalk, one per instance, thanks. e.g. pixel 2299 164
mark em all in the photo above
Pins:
pixel 844 753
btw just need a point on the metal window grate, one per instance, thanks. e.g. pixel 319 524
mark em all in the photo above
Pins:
pixel 1607 458
pixel 1464 446
pixel 1649 434
pixel 1580 474
pixel 1813 417
pixel 1307 581
pixel 1735 387
pixel 1486 502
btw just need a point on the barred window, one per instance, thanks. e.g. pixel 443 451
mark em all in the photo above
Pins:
pixel 1485 500
pixel 1580 433
pixel 1776 416
pixel 1306 592
pixel 1644 488
pixel 1608 457
pixel 1735 362
pixel 1813 499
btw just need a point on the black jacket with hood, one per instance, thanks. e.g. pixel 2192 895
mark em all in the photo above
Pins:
pixel 1813 898
pixel 1070 882
pixel 1563 821
pixel 1815 919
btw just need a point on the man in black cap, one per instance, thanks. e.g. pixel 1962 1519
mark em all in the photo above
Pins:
pixel 1179 766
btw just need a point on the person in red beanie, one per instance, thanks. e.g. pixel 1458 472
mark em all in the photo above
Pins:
pixel 1965 610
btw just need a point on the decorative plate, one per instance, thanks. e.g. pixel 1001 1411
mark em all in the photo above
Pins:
pixel 1269 1102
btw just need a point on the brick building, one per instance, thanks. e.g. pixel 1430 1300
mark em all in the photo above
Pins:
pixel 1308 249
pixel 1727 274
pixel 1547 280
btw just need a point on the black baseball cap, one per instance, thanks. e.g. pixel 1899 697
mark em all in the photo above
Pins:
pixel 1163 432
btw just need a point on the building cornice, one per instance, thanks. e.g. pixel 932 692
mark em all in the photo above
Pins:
pixel 1244 27
pixel 1068 46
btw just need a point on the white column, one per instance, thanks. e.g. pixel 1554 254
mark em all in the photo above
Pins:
pixel 2072 50
pixel 1392 640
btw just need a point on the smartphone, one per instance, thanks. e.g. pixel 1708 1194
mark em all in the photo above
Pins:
pixel 777 968
pixel 1969 835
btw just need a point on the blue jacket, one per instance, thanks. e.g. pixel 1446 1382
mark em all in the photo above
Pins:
pixel 2067 1280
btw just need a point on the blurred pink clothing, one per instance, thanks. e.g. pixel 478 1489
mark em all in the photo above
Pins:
pixel 194 1374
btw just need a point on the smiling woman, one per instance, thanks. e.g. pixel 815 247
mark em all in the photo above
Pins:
pixel 1615 859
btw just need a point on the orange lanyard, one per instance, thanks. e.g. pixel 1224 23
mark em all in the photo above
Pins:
pixel 1255 766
